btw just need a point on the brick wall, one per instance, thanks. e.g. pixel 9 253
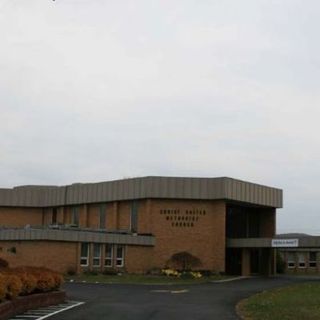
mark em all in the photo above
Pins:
pixel 197 227
pixel 59 256
pixel 267 223
pixel 19 217
pixel 138 259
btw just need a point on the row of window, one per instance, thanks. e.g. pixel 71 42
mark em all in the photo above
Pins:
pixel 113 255
pixel 75 214
pixel 292 262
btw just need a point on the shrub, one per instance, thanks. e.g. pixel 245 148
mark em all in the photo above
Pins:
pixel 71 272
pixel 110 272
pixel 58 280
pixel 29 282
pixel 26 280
pixel 184 261
pixel 3 287
pixel 171 273
pixel 154 272
pixel 3 263
pixel 91 273
pixel 207 273
pixel 14 286
pixel 190 275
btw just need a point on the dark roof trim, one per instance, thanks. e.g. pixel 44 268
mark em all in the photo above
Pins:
pixel 142 188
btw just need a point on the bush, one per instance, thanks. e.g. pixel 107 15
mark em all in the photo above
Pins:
pixel 14 286
pixel 184 261
pixel 3 287
pixel 110 272
pixel 26 280
pixel 3 263
pixel 171 273
pixel 71 272
pixel 58 280
pixel 190 275
pixel 45 282
pixel 154 272
pixel 91 273
pixel 207 273
pixel 29 282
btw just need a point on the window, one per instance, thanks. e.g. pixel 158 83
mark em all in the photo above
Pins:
pixel 102 217
pixel 312 259
pixel 84 259
pixel 108 262
pixel 134 217
pixel 54 216
pixel 120 256
pixel 75 216
pixel 96 255
pixel 291 261
pixel 301 260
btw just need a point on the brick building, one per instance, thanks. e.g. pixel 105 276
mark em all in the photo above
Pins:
pixel 303 254
pixel 138 224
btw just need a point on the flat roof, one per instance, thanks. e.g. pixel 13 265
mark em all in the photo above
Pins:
pixel 143 188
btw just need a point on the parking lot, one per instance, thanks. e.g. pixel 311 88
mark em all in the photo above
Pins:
pixel 142 302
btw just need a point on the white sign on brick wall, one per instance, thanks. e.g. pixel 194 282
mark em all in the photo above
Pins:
pixel 285 243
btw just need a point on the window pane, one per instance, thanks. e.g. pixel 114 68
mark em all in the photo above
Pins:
pixel 96 250
pixel 75 215
pixel 134 216
pixel 302 260
pixel 96 262
pixel 301 257
pixel 54 216
pixel 313 259
pixel 312 256
pixel 108 262
pixel 103 216
pixel 108 251
pixel 84 254
pixel 119 252
pixel 120 256
pixel 291 260
pixel 84 249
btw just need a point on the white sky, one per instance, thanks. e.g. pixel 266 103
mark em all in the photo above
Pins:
pixel 92 90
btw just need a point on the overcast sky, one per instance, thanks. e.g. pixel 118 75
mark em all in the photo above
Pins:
pixel 92 90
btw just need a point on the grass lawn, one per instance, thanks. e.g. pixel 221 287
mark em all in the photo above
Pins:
pixel 296 302
pixel 140 279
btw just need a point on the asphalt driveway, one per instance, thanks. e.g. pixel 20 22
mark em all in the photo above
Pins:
pixel 158 302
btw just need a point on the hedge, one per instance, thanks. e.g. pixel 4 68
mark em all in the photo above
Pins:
pixel 22 281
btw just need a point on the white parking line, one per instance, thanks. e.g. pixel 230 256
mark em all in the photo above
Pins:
pixel 64 309
pixel 40 314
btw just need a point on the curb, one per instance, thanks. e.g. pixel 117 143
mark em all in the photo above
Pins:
pixel 231 279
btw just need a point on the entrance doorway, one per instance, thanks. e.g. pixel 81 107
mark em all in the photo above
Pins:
pixel 255 261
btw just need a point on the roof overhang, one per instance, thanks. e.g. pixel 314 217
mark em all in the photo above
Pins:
pixel 143 188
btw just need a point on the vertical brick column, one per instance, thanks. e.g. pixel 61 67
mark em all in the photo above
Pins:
pixel 60 215
pixel 78 268
pixel 43 216
pixel 90 256
pixel 149 214
pixel 103 255
pixel 83 219
pixel 65 217
pixel 116 214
